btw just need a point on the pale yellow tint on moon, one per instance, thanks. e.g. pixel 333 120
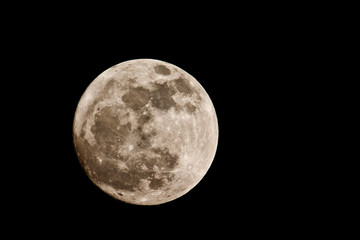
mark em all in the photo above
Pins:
pixel 145 131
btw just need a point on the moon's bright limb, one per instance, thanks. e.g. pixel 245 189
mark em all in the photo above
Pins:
pixel 145 131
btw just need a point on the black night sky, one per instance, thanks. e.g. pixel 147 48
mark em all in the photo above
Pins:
pixel 239 61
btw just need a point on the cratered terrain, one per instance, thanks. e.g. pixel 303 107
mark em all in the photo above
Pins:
pixel 145 132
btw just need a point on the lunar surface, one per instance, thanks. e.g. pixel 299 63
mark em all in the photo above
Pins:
pixel 145 132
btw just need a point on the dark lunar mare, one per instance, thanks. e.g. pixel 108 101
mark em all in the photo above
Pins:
pixel 162 69
pixel 136 97
pixel 109 134
pixel 183 86
pixel 161 96
pixel 107 171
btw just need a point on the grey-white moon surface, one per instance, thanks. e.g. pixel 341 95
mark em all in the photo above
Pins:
pixel 145 132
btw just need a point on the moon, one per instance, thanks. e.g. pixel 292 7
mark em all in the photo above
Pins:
pixel 145 132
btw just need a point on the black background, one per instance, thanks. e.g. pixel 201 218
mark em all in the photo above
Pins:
pixel 243 61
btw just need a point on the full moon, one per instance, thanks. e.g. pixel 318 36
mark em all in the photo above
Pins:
pixel 145 132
